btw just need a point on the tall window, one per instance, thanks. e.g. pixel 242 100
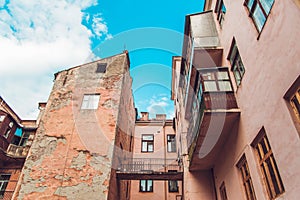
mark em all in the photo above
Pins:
pixel 8 130
pixel 173 184
pixel 171 143
pixel 259 11
pixel 223 193
pixel 220 9
pixel 4 179
pixel 268 165
pixel 216 80
pixel 295 103
pixel 147 143
pixel 237 65
pixel 247 181
pixel 2 117
pixel 146 185
pixel 90 101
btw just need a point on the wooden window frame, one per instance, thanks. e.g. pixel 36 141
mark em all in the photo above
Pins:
pixel 146 186
pixel 233 57
pixel 243 167
pixel 216 80
pixel 148 142
pixel 258 4
pixel 223 193
pixel 267 163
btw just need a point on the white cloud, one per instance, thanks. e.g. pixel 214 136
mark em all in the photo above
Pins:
pixel 37 39
pixel 159 105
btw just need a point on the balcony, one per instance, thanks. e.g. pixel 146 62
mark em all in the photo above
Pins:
pixel 17 151
pixel 150 168
pixel 212 112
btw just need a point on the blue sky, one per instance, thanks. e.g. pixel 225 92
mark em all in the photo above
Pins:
pixel 39 38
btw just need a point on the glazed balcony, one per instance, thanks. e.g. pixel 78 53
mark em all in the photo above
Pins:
pixel 17 151
pixel 212 112
pixel 150 168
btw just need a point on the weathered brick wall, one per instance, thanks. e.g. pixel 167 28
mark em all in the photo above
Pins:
pixel 71 156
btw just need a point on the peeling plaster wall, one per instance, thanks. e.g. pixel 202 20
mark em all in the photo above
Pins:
pixel 72 153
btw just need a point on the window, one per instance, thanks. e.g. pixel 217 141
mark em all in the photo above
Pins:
pixel 90 101
pixel 2 117
pixel 295 103
pixel 259 11
pixel 147 143
pixel 101 67
pixel 20 140
pixel 8 130
pixel 4 179
pixel 173 184
pixel 171 143
pixel 146 185
pixel 216 80
pixel 247 181
pixel 237 66
pixel 268 166
pixel 220 9
pixel 223 192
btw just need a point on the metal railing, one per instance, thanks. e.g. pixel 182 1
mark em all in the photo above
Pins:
pixel 146 165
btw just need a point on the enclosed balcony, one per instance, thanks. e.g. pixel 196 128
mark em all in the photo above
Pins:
pixel 149 168
pixel 212 112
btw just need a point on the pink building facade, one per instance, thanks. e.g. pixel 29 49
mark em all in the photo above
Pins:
pixel 236 93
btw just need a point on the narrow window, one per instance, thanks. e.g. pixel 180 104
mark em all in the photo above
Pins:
pixel 2 117
pixel 171 143
pixel 220 10
pixel 259 11
pixel 237 66
pixel 101 67
pixel 90 101
pixel 4 179
pixel 246 178
pixel 146 185
pixel 295 103
pixel 223 193
pixel 147 143
pixel 173 184
pixel 268 166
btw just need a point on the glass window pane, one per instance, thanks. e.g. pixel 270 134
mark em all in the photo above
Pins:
pixel 147 137
pixel 143 185
pixel 267 4
pixel 259 17
pixel 236 75
pixel 144 146
pixel 225 86
pixel 223 75
pixel 2 117
pixel 149 185
pixel 210 86
pixel 150 147
pixel 250 4
pixel 208 76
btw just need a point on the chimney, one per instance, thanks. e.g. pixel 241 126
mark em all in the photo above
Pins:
pixel 145 116
pixel 161 116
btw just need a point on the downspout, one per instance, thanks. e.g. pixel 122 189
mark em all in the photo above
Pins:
pixel 165 157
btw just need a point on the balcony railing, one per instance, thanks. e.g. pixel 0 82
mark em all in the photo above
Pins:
pixel 17 151
pixel 210 101
pixel 148 165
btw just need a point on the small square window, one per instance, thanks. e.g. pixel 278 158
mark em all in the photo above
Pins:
pixel 101 67
pixel 146 185
pixel 90 101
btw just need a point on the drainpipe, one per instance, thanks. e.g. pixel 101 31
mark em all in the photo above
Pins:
pixel 165 156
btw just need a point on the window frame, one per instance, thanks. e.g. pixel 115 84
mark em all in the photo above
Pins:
pixel 171 139
pixel 296 108
pixel 234 57
pixel 3 183
pixel 215 79
pixel 244 170
pixel 146 185
pixel 223 193
pixel 90 101
pixel 257 4
pixel 266 161
pixel 148 142
pixel 220 12
pixel 170 183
